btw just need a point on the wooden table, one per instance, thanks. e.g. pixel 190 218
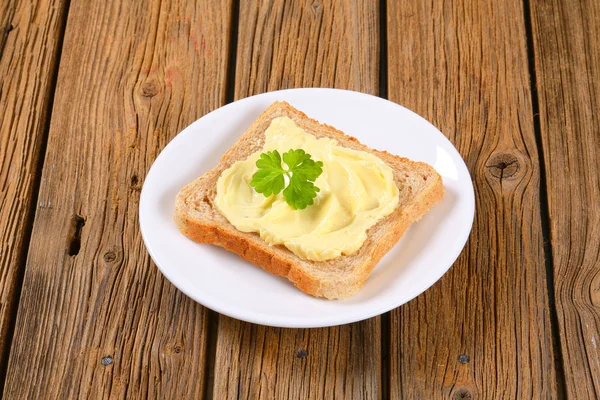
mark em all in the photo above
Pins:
pixel 92 90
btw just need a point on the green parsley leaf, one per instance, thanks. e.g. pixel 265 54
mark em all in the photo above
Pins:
pixel 299 162
pixel 301 171
pixel 300 193
pixel 269 178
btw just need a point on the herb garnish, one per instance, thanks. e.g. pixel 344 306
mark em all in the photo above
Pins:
pixel 301 172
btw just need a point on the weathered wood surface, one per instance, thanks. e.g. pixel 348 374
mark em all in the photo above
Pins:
pixel 484 329
pixel 30 34
pixel 295 44
pixel 566 39
pixel 96 317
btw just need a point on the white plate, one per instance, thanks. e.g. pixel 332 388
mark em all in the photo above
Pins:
pixel 225 283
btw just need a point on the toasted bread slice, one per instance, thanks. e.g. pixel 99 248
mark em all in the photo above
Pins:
pixel 199 219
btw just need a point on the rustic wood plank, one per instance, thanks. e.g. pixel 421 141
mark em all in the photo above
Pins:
pixel 96 317
pixel 566 38
pixel 483 330
pixel 30 35
pixel 283 45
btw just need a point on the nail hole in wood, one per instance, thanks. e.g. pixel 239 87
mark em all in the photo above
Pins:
pixel 134 180
pixel 9 28
pixel 463 359
pixel 301 353
pixel 77 223
pixel 177 349
pixel 106 360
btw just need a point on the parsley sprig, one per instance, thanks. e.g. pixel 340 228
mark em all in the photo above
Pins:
pixel 301 172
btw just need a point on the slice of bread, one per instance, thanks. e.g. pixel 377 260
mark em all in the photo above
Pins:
pixel 199 219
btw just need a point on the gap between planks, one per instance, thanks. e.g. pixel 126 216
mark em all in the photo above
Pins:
pixel 213 316
pixel 544 207
pixel 386 329
pixel 46 116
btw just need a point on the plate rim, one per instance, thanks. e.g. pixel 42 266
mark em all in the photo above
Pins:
pixel 261 318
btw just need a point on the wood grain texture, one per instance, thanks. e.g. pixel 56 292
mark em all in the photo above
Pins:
pixel 283 44
pixel 566 38
pixel 29 39
pixel 96 317
pixel 483 331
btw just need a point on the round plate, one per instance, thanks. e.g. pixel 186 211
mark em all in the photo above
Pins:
pixel 224 282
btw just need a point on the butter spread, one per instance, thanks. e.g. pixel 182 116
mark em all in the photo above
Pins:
pixel 357 189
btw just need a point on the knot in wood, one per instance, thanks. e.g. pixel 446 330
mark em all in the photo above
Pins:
pixel 110 256
pixel 177 349
pixel 8 28
pixel 461 394
pixel 504 165
pixel 301 353
pixel 316 7
pixel 149 89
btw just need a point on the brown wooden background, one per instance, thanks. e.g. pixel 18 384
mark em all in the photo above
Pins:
pixel 92 90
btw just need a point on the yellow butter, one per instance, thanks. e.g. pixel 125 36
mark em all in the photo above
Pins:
pixel 357 189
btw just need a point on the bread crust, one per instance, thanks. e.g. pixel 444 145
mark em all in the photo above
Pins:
pixel 199 219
